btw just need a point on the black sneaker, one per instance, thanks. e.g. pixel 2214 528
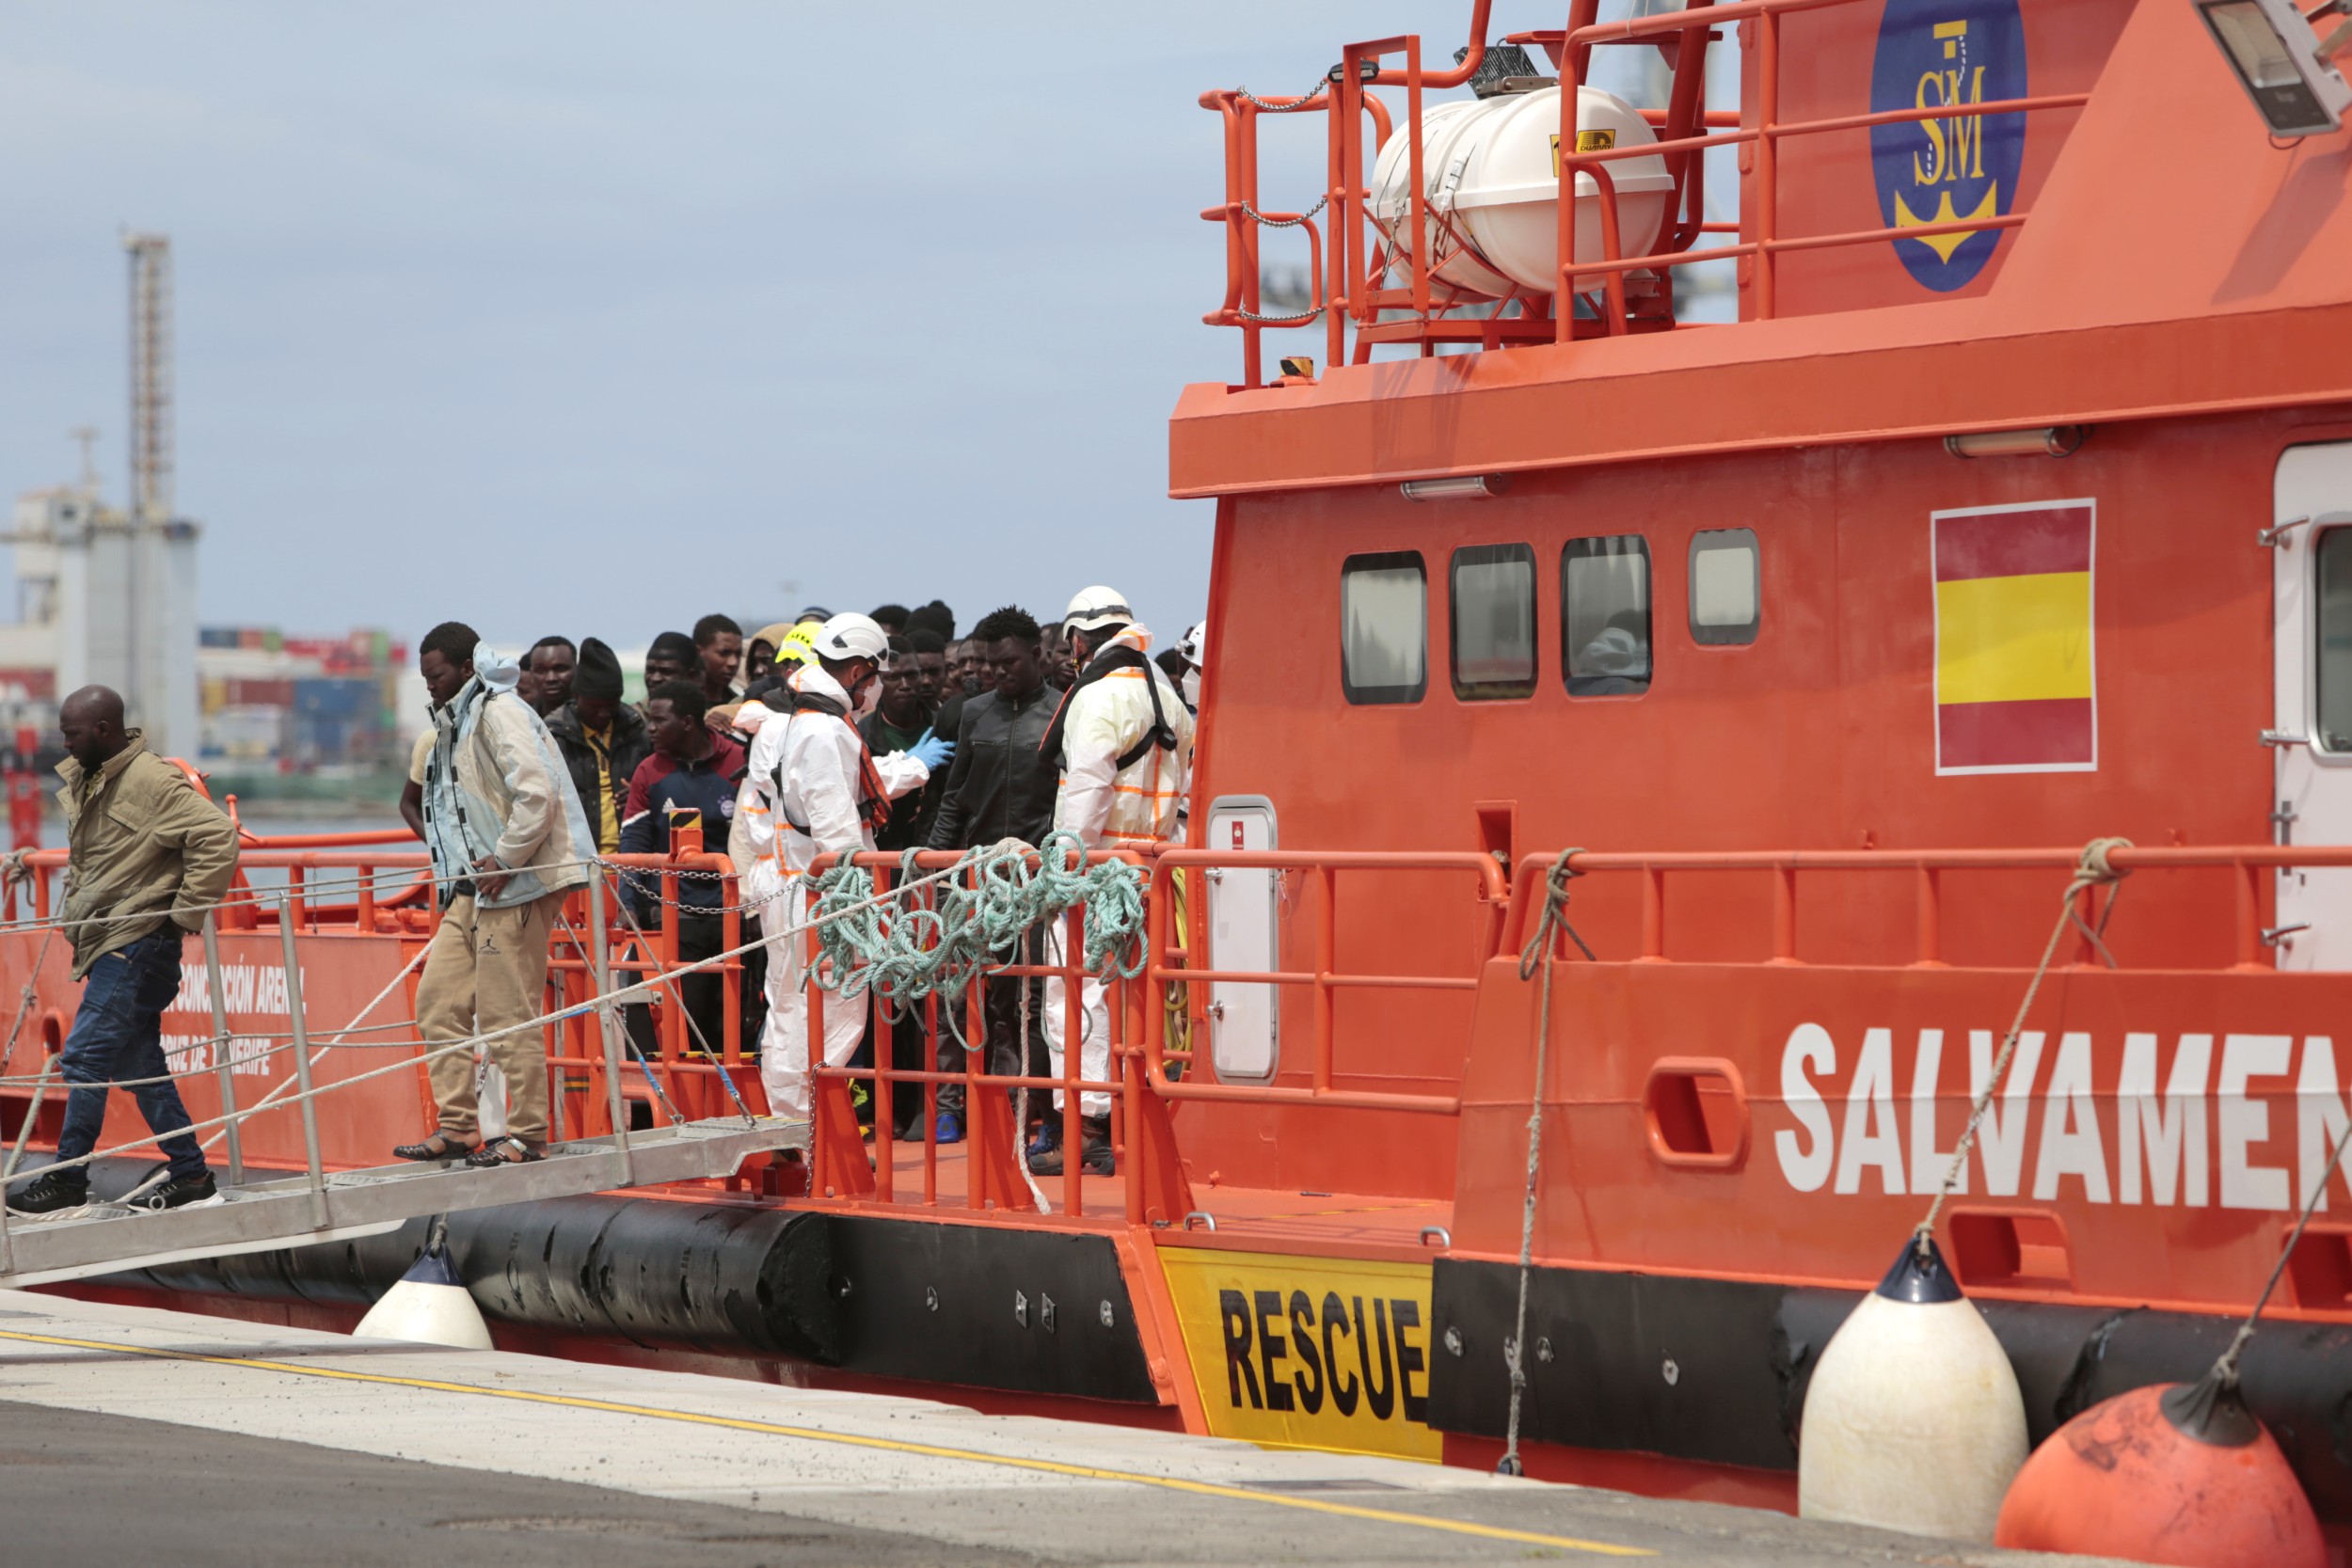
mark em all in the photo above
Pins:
pixel 179 1192
pixel 1094 1156
pixel 50 1193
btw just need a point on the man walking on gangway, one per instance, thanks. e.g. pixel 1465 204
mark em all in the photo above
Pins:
pixel 508 841
pixel 149 856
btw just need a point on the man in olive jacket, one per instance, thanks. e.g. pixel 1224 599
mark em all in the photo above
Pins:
pixel 150 855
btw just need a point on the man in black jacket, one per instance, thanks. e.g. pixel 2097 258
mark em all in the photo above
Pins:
pixel 602 740
pixel 1001 785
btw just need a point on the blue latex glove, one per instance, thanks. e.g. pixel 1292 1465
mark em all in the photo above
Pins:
pixel 931 749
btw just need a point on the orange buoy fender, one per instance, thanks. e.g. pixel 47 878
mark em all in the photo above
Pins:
pixel 2173 1473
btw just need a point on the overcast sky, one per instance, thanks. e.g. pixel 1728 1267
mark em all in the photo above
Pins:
pixel 592 318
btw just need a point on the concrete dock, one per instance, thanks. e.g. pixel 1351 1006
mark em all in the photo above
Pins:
pixel 132 1434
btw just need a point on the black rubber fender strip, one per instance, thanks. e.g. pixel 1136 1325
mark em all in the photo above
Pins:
pixel 1716 1370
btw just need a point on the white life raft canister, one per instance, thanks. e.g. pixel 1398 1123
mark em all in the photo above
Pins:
pixel 1490 174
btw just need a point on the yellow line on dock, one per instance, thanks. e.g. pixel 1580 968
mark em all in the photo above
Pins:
pixel 1081 1472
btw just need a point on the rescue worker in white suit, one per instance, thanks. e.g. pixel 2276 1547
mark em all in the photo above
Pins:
pixel 812 789
pixel 1124 737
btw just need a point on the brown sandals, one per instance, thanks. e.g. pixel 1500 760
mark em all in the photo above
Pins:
pixel 439 1146
pixel 503 1151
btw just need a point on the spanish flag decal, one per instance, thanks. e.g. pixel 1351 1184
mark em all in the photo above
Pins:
pixel 2013 670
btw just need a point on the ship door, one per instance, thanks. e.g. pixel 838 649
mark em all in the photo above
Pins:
pixel 1245 936
pixel 2310 739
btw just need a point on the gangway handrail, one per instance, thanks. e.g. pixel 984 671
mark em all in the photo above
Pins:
pixel 311 1208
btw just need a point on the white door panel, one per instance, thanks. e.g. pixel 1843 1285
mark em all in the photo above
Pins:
pixel 2312 800
pixel 1244 1018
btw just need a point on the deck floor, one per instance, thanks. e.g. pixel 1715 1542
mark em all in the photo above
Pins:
pixel 1264 1218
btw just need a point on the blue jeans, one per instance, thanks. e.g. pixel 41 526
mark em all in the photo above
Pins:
pixel 118 1034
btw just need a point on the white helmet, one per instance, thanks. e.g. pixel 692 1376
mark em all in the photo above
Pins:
pixel 849 636
pixel 1096 608
pixel 1195 644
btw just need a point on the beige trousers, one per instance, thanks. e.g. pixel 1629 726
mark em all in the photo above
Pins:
pixel 487 970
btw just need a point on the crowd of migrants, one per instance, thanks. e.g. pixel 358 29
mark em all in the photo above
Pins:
pixel 825 734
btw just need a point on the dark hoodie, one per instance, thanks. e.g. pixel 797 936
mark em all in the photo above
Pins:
pixel 630 746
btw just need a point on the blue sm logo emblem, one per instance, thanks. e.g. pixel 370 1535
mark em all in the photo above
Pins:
pixel 1953 167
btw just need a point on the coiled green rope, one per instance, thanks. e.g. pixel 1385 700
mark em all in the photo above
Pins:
pixel 907 951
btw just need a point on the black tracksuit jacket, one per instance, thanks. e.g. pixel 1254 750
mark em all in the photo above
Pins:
pixel 999 785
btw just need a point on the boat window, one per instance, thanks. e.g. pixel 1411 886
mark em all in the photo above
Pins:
pixel 1384 627
pixel 1726 586
pixel 1604 615
pixel 2333 677
pixel 1491 605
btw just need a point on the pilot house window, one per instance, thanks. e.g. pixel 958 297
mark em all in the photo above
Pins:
pixel 1725 586
pixel 1491 601
pixel 1604 615
pixel 2332 676
pixel 1384 627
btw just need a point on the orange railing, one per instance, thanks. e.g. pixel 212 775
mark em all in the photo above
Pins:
pixel 2248 864
pixel 1352 268
pixel 693 1074
pixel 838 1162
pixel 1326 978
pixel 353 879
pixel 1149 1076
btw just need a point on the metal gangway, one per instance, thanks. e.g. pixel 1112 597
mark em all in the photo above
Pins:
pixel 317 1205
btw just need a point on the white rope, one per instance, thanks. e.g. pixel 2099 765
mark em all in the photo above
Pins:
pixel 1537 956
pixel 2091 870
pixel 1021 1091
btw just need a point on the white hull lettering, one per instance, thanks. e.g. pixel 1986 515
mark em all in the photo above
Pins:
pixel 2247 1124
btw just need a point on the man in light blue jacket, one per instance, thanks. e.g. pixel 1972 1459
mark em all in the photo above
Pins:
pixel 508 841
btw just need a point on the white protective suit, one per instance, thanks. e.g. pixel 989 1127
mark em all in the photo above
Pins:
pixel 1109 807
pixel 817 756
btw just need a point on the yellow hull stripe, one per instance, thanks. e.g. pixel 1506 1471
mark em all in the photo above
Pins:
pixel 889 1444
pixel 2013 639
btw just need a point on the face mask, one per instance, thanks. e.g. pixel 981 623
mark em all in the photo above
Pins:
pixel 868 697
pixel 1192 688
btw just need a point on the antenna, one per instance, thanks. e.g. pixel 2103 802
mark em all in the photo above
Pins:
pixel 150 376
pixel 88 436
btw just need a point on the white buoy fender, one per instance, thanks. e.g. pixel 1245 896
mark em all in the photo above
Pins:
pixel 1914 1420
pixel 427 1306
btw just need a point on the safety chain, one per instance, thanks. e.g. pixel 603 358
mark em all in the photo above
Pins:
pixel 1537 955
pixel 1256 216
pixel 1309 101
pixel 1279 321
